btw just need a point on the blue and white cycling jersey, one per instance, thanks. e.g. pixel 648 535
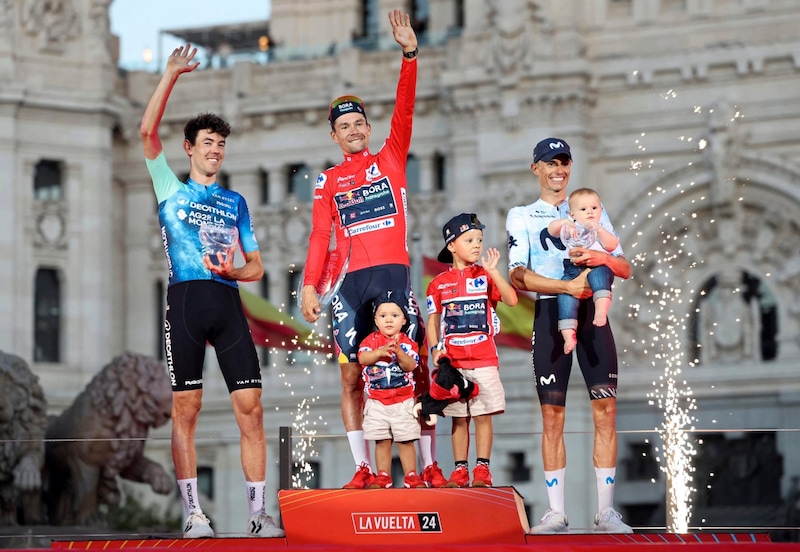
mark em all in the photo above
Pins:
pixel 182 208
pixel 531 246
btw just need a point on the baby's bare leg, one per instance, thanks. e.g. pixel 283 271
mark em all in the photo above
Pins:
pixel 601 306
pixel 570 340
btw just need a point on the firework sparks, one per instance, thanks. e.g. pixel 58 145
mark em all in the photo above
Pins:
pixel 665 286
pixel 291 357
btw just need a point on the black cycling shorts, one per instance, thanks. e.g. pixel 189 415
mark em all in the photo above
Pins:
pixel 201 312
pixel 597 354
pixel 351 308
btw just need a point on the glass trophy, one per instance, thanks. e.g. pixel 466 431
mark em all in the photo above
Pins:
pixel 580 236
pixel 218 241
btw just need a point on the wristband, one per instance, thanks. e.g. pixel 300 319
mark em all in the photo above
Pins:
pixel 412 54
pixel 434 347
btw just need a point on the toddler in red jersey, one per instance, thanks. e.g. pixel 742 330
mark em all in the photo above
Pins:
pixel 388 358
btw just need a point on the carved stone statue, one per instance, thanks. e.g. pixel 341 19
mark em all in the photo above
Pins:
pixel 54 22
pixel 23 418
pixel 730 326
pixel 515 27
pixel 101 436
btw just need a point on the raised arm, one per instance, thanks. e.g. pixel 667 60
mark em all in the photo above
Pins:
pixel 404 360
pixel 608 240
pixel 508 294
pixel 554 228
pixel 178 63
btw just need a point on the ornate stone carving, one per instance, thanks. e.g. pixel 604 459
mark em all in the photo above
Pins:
pixel 729 325
pixel 53 22
pixel 6 16
pixel 100 30
pixel 514 27
pixel 671 257
pixel 50 226
pixel 23 418
pixel 101 436
pixel 724 153
pixel 297 230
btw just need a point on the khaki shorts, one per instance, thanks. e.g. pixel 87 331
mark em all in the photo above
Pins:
pixel 390 421
pixel 491 398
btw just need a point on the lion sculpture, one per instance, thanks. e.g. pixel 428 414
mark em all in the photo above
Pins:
pixel 101 436
pixel 23 419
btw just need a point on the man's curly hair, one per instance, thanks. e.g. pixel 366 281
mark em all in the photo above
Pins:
pixel 206 121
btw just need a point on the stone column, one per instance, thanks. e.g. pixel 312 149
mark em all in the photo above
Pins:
pixel 426 173
pixel 247 182
pixel 278 184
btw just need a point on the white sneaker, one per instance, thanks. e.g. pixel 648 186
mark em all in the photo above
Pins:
pixel 610 521
pixel 197 526
pixel 262 525
pixel 551 523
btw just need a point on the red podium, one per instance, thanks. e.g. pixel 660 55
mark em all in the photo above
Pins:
pixel 403 516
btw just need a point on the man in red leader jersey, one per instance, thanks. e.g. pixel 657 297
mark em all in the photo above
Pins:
pixel 364 198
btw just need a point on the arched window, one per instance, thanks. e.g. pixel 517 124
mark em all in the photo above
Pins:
pixel 412 173
pixel 459 14
pixel 368 35
pixel 439 172
pixel 47 180
pixel 420 13
pixel 735 319
pixel 264 184
pixel 293 287
pixel 47 316
pixel 301 182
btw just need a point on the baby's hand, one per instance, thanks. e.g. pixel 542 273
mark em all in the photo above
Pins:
pixel 390 348
pixel 490 258
pixel 570 229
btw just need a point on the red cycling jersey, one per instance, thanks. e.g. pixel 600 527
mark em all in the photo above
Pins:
pixel 386 381
pixel 365 197
pixel 466 300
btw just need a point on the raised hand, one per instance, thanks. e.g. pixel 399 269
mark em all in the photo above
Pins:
pixel 180 61
pixel 403 34
pixel 570 230
pixel 388 350
pixel 490 259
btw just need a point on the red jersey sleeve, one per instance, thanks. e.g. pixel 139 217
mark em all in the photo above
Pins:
pixel 433 299
pixel 494 292
pixel 323 213
pixel 399 140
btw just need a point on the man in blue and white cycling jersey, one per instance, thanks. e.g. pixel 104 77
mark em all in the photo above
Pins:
pixel 203 303
pixel 536 264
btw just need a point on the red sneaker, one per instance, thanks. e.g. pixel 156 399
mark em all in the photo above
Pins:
pixel 381 481
pixel 433 476
pixel 413 481
pixel 481 476
pixel 459 478
pixel 361 479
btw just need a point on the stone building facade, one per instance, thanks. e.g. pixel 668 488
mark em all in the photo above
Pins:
pixel 681 113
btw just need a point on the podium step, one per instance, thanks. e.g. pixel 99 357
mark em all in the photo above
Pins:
pixel 663 542
pixel 403 516
pixel 422 520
